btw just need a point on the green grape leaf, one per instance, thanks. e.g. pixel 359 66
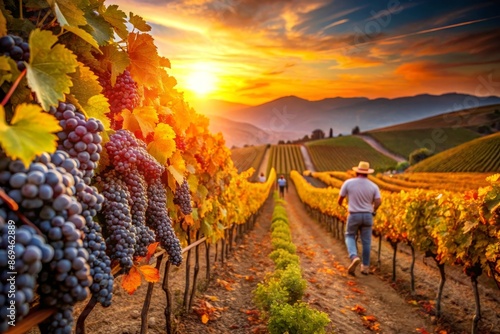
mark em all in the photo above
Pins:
pixel 67 12
pixel 85 85
pixel 48 68
pixel 117 18
pixel 139 23
pixel 30 133
pixel 3 25
pixel 115 61
pixel 101 30
pixel 83 35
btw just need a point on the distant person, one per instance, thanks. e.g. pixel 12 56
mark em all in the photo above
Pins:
pixel 262 178
pixel 282 186
pixel 364 199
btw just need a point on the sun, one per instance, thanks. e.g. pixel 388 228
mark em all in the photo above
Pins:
pixel 201 82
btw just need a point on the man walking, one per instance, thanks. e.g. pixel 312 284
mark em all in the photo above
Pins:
pixel 282 184
pixel 364 199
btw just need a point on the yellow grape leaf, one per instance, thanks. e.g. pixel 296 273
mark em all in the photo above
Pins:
pixel 85 85
pixel 163 145
pixel 31 132
pixel 83 35
pixel 204 318
pixel 139 23
pixel 67 12
pixel 3 25
pixel 179 178
pixel 117 18
pixel 8 70
pixel 177 161
pixel 131 281
pixel 98 106
pixel 114 60
pixel 48 68
pixel 144 60
pixel 151 274
pixel 142 118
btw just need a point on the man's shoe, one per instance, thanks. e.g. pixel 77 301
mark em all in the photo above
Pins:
pixel 365 270
pixel 352 267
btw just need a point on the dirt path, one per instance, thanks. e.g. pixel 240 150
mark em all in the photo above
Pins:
pixel 346 299
pixel 376 145
pixel 307 159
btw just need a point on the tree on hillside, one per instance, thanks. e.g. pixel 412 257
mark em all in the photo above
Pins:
pixel 331 133
pixel 419 155
pixel 355 130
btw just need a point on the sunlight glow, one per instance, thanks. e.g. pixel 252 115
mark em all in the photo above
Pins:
pixel 201 81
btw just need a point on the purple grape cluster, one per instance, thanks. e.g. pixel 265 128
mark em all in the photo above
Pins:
pixel 127 153
pixel 79 137
pixel 158 219
pixel 45 192
pixel 182 197
pixel 31 251
pixel 16 48
pixel 138 201
pixel 123 95
pixel 119 230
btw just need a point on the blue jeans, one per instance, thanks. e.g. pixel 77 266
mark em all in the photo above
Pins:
pixel 364 222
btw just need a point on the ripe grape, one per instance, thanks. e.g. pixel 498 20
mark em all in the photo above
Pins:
pixel 123 95
pixel 182 197
pixel 157 217
pixel 16 48
pixel 79 137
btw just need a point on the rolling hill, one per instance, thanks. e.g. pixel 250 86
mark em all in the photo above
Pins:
pixel 478 155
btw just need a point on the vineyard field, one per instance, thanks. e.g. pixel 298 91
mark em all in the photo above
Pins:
pixel 480 155
pixel 285 158
pixel 342 153
pixel 437 140
pixel 248 157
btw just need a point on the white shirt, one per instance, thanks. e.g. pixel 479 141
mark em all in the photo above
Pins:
pixel 361 193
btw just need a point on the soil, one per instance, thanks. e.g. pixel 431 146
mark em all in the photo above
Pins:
pixel 360 304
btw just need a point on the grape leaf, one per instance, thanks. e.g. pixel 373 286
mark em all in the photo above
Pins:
pixel 165 62
pixel 178 162
pixel 131 281
pixel 204 318
pixel 117 18
pixel 83 35
pixel 85 84
pixel 151 274
pixel 101 30
pixel 48 68
pixel 97 106
pixel 151 250
pixel 176 174
pixel 3 25
pixel 67 12
pixel 163 144
pixel 8 70
pixel 142 118
pixel 139 23
pixel 144 60
pixel 30 133
pixel 115 61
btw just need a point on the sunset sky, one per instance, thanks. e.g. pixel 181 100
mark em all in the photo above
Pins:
pixel 252 51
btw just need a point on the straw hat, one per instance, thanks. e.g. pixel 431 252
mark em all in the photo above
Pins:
pixel 363 168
